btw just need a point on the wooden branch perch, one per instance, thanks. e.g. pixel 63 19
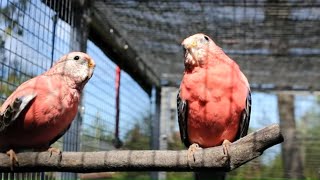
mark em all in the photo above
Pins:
pixel 241 151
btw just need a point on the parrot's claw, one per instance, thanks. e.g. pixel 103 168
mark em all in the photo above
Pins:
pixel 226 146
pixel 55 150
pixel 192 149
pixel 13 158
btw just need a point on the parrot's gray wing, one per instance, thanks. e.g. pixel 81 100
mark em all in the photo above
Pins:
pixel 245 118
pixel 12 112
pixel 182 108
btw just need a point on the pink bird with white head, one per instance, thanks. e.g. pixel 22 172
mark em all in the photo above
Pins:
pixel 214 101
pixel 41 109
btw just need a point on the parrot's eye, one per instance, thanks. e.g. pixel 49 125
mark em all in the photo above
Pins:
pixel 76 58
pixel 206 38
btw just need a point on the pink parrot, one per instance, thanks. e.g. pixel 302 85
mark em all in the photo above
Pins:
pixel 214 100
pixel 41 109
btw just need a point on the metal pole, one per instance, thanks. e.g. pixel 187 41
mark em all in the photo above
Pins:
pixel 117 143
pixel 155 126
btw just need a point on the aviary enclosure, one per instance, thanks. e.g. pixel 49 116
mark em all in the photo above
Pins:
pixel 130 102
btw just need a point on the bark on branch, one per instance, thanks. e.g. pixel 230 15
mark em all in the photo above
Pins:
pixel 241 151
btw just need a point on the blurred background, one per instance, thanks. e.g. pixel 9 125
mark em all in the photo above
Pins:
pixel 130 102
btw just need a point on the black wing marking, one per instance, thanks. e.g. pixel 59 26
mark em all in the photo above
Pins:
pixel 13 111
pixel 245 118
pixel 182 108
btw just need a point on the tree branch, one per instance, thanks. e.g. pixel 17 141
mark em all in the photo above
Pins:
pixel 241 151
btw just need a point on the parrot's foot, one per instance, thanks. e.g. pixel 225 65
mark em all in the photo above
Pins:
pixel 226 146
pixel 13 158
pixel 192 149
pixel 55 150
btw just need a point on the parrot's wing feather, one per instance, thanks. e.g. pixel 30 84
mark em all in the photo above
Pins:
pixel 182 107
pixel 59 135
pixel 13 111
pixel 25 100
pixel 245 118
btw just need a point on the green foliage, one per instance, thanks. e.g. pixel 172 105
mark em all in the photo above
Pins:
pixel 132 176
pixel 9 84
pixel 274 169
pixel 180 176
pixel 175 143
pixel 10 15
pixel 307 135
pixel 256 169
pixel 251 170
pixel 95 137
pixel 138 138
pixel 310 140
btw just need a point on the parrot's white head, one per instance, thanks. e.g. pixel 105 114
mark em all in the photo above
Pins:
pixel 196 49
pixel 76 67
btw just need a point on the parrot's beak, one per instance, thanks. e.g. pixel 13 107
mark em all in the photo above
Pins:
pixel 190 58
pixel 187 47
pixel 91 63
pixel 190 45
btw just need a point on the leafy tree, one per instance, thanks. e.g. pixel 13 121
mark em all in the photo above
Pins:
pixel 308 134
pixel 310 137
pixel 10 15
pixel 175 143
pixel 9 84
pixel 94 137
pixel 257 169
pixel 138 138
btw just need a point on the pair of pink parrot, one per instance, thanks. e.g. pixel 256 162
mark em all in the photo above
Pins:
pixel 214 101
pixel 41 109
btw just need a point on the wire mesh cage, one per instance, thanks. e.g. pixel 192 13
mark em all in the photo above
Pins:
pixel 32 38
pixel 274 42
pixel 99 105
pixel 34 34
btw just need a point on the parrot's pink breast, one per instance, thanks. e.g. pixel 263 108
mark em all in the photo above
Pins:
pixel 48 115
pixel 216 98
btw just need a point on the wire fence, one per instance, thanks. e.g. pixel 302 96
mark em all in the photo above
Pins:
pixel 270 164
pixel 99 112
pixel 32 37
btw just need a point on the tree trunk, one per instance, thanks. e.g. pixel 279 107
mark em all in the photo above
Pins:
pixel 291 153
